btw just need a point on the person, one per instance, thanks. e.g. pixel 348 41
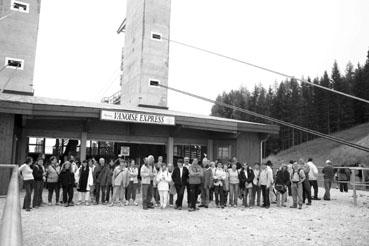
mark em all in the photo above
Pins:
pixel 313 178
pixel 266 181
pixel 226 183
pixel 272 193
pixel 92 165
pixel 206 184
pixel 120 180
pixel 133 181
pixel 282 181
pixel 306 188
pixel 155 184
pixel 109 186
pixel 67 182
pixel 180 179
pixel 256 190
pixel 234 183
pixel 38 175
pixel 246 180
pixel 73 163
pixel 172 189
pixel 297 179
pixel 151 191
pixel 238 164
pixel 103 180
pixel 328 174
pixel 146 182
pixel 187 164
pixel 211 190
pixel 52 179
pixel 195 174
pixel 343 177
pixel 218 179
pixel 290 169
pixel 96 173
pixel 26 172
pixel 84 182
pixel 163 178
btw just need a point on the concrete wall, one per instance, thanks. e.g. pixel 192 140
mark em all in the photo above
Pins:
pixel 6 149
pixel 18 39
pixel 146 59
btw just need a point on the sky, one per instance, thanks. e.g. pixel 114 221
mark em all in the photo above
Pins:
pixel 79 52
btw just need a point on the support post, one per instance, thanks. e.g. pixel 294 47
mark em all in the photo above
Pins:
pixel 82 152
pixel 210 150
pixel 354 190
pixel 170 151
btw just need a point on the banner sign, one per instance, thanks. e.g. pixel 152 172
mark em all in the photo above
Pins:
pixel 124 150
pixel 126 116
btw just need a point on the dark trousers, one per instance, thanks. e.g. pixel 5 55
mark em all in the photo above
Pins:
pixel 314 184
pixel 289 189
pixel 150 193
pixel 343 186
pixel 102 189
pixel 265 192
pixel 109 191
pixel 211 193
pixel 194 192
pixel 28 186
pixel 145 191
pixel 68 194
pixel 37 194
pixel 255 193
pixel 171 197
pixel 188 195
pixel 131 191
pixel 219 196
pixel 327 187
pixel 180 192
pixel 306 191
pixel 156 195
pixel 51 188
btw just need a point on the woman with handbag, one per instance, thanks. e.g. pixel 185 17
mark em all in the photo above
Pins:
pixel 282 181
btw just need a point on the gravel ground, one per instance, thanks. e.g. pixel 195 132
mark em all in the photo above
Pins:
pixel 336 222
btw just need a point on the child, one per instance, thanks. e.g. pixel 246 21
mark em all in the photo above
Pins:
pixel 133 181
pixel 120 182
pixel 66 179
pixel 163 178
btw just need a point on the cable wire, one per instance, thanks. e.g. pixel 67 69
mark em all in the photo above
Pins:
pixel 280 122
pixel 266 69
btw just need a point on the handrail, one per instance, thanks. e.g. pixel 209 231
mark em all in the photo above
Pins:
pixel 11 225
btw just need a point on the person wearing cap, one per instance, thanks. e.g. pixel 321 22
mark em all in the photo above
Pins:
pixel 328 173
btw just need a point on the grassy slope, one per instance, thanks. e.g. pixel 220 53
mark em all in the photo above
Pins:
pixel 321 149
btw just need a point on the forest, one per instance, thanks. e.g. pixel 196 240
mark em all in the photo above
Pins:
pixel 303 104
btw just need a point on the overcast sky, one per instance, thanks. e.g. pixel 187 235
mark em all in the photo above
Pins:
pixel 79 51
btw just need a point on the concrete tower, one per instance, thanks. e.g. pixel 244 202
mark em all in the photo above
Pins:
pixel 18 40
pixel 146 53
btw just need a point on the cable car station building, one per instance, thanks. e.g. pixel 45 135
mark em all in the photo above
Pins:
pixel 141 124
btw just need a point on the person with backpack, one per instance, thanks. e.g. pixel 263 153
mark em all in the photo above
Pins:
pixel 67 182
pixel 343 177
pixel 328 173
pixel 256 190
pixel 52 179
pixel 266 181
pixel 297 179
pixel 282 181
pixel 27 175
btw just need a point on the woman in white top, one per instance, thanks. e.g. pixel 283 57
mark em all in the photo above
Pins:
pixel 219 177
pixel 26 173
pixel 163 178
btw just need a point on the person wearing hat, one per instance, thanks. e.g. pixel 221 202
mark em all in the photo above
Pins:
pixel 328 173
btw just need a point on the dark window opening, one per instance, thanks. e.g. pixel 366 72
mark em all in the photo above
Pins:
pixel 154 83
pixel 19 6
pixel 156 36
pixel 13 63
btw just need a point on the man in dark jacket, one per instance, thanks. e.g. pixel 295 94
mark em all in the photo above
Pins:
pixel 246 177
pixel 328 172
pixel 180 179
pixel 282 181
pixel 206 183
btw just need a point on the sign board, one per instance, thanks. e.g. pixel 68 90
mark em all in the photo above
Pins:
pixel 125 116
pixel 124 150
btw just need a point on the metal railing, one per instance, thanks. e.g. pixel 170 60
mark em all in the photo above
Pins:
pixel 11 225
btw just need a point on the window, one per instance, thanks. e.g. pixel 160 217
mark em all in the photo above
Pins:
pixel 19 6
pixel 224 152
pixel 154 83
pixel 14 63
pixel 36 145
pixel 156 36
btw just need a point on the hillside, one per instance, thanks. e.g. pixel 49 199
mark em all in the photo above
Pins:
pixel 321 149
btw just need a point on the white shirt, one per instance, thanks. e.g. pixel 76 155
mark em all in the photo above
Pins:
pixel 313 173
pixel 180 171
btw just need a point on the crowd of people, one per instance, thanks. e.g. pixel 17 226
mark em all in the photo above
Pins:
pixel 225 184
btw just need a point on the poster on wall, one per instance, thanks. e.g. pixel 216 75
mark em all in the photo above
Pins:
pixel 124 150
